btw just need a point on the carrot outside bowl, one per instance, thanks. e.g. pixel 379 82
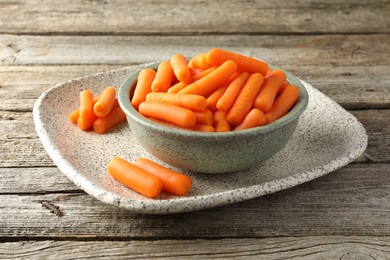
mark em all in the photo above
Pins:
pixel 216 152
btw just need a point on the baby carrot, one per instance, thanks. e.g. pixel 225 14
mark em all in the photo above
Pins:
pixel 254 118
pixel 209 83
pixel 180 67
pixel 190 101
pixel 86 116
pixel 214 97
pixel 199 61
pixel 195 71
pixel 134 177
pixel 173 182
pixel 202 128
pixel 74 115
pixel 244 63
pixel 267 94
pixel 232 91
pixel 105 103
pixel 168 112
pixel 103 124
pixel 283 86
pixel 164 76
pixel 143 87
pixel 243 104
pixel 179 86
pixel 283 103
pixel 204 117
pixel 220 122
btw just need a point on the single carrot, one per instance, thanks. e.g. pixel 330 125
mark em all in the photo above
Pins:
pixel 209 83
pixel 199 61
pixel 105 103
pixel 244 63
pixel 190 101
pixel 86 116
pixel 195 71
pixel 283 86
pixel 204 117
pixel 268 92
pixel 214 97
pixel 103 124
pixel 179 86
pixel 134 177
pixel 174 182
pixel 74 115
pixel 254 118
pixel 143 87
pixel 243 104
pixel 180 67
pixel 202 128
pixel 220 122
pixel 232 91
pixel 283 103
pixel 168 112
pixel 164 76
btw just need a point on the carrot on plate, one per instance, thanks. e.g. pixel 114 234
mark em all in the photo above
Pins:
pixel 232 91
pixel 220 122
pixel 243 104
pixel 143 86
pixel 164 76
pixel 86 115
pixel 105 103
pixel 74 115
pixel 283 103
pixel 209 83
pixel 190 101
pixel 103 124
pixel 268 92
pixel 180 67
pixel 168 112
pixel 134 177
pixel 244 63
pixel 173 182
pixel 254 118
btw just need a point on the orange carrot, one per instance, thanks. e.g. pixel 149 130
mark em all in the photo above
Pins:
pixel 134 177
pixel 86 116
pixel 202 128
pixel 179 86
pixel 164 76
pixel 283 86
pixel 143 87
pixel 283 103
pixel 209 83
pixel 168 112
pixel 232 91
pixel 244 63
pixel 267 94
pixel 220 122
pixel 103 124
pixel 74 115
pixel 105 103
pixel 190 101
pixel 173 182
pixel 204 117
pixel 195 71
pixel 199 61
pixel 254 118
pixel 214 97
pixel 243 104
pixel 180 67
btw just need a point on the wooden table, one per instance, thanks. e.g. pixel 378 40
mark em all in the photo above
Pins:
pixel 340 47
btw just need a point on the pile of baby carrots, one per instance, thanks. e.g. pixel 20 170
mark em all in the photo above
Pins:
pixel 216 91
pixel 100 113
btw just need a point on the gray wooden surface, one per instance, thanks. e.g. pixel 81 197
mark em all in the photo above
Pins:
pixel 340 47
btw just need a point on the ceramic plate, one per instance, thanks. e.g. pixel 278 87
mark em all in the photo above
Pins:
pixel 327 138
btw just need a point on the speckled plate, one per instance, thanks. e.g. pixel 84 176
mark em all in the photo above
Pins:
pixel 327 138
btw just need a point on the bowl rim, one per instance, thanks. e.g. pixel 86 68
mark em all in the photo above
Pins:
pixel 294 113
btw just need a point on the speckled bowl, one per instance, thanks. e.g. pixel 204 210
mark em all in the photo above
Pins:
pixel 211 152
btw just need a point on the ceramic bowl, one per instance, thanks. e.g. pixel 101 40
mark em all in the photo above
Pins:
pixel 211 152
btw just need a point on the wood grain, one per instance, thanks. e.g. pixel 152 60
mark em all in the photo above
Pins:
pixel 332 247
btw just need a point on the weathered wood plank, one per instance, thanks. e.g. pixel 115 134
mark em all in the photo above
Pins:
pixel 282 50
pixel 195 16
pixel 351 201
pixel 332 247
